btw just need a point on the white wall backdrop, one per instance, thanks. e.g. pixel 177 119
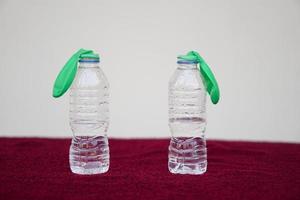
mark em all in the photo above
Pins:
pixel 252 46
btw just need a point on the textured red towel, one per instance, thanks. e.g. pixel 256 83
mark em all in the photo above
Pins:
pixel 39 169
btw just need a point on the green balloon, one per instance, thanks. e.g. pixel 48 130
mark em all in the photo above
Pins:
pixel 209 81
pixel 67 74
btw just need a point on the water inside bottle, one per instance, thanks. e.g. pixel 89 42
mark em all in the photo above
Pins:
pixel 187 155
pixel 89 155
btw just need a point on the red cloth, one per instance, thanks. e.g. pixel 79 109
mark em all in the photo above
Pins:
pixel 39 169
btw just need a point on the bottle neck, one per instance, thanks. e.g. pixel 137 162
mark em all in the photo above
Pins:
pixel 88 64
pixel 187 66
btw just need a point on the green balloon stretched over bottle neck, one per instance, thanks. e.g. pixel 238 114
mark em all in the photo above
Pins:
pixel 209 79
pixel 67 74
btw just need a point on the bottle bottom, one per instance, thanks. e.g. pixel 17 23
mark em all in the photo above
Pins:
pixel 95 169
pixel 194 169
pixel 89 155
pixel 187 156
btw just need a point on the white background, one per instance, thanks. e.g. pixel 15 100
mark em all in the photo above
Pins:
pixel 252 46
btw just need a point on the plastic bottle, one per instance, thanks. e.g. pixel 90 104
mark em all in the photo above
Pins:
pixel 89 113
pixel 187 114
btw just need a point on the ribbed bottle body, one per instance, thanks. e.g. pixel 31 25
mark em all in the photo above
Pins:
pixel 187 121
pixel 89 120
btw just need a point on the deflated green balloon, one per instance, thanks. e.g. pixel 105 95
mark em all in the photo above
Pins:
pixel 67 74
pixel 209 81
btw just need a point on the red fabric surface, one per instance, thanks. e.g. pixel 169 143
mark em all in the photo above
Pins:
pixel 39 169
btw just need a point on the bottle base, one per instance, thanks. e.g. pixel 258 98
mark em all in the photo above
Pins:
pixel 89 155
pixel 192 169
pixel 85 171
pixel 187 155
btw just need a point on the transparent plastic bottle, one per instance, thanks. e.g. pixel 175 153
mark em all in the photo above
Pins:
pixel 89 119
pixel 187 120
